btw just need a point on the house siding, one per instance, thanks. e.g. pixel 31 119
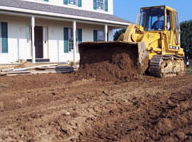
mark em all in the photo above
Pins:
pixel 20 48
pixel 85 5
pixel 17 41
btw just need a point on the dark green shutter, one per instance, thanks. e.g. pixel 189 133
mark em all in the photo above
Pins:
pixel 94 35
pixel 46 0
pixel 107 36
pixel 79 35
pixel 65 1
pixel 4 33
pixel 66 41
pixel 106 5
pixel 79 3
pixel 95 4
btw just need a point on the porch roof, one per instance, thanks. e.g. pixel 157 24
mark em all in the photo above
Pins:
pixel 60 11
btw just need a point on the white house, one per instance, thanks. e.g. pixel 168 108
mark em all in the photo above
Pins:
pixel 44 30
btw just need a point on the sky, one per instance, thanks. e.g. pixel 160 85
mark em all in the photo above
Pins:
pixel 129 9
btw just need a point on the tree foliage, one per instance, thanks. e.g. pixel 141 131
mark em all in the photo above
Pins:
pixel 118 33
pixel 186 37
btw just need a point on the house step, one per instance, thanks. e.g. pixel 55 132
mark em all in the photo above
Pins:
pixel 39 60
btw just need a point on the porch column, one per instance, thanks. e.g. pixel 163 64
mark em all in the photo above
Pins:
pixel 74 42
pixel 33 38
pixel 106 31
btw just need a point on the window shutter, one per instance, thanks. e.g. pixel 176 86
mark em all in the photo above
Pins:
pixel 106 5
pixel 46 0
pixel 65 2
pixel 79 3
pixel 79 35
pixel 4 33
pixel 66 40
pixel 95 4
pixel 94 35
pixel 107 36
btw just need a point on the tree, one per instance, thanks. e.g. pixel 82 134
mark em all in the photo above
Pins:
pixel 118 33
pixel 186 37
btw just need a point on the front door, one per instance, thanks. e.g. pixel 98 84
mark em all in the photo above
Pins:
pixel 39 42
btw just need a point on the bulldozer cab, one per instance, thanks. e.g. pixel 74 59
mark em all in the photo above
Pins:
pixel 161 18
pixel 158 18
pixel 152 18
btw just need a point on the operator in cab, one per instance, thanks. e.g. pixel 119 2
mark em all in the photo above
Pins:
pixel 159 24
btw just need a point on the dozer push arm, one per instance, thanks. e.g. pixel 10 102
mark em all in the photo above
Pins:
pixel 137 34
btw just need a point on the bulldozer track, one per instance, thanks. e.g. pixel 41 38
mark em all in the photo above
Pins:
pixel 155 65
pixel 166 65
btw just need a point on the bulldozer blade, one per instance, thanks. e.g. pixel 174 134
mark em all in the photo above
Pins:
pixel 95 52
pixel 143 57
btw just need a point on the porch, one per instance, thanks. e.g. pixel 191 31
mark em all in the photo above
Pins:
pixel 37 31
pixel 48 39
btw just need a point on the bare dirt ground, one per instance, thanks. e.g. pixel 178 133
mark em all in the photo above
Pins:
pixel 60 108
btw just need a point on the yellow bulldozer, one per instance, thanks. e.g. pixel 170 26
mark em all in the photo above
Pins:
pixel 155 39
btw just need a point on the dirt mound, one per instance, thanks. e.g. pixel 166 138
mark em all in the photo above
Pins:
pixel 108 61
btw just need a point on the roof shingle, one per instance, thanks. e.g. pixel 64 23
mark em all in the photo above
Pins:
pixel 60 10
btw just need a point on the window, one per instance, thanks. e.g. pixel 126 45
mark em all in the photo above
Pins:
pixel 73 2
pixel 99 35
pixel 45 34
pixel 28 33
pixel 68 39
pixel 177 21
pixel 152 19
pixel 100 4
pixel 169 24
pixel 177 26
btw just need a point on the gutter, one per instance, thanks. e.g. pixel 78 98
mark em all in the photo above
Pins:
pixel 70 17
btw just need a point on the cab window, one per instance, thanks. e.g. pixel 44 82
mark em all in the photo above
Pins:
pixel 152 19
pixel 169 24
pixel 176 21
